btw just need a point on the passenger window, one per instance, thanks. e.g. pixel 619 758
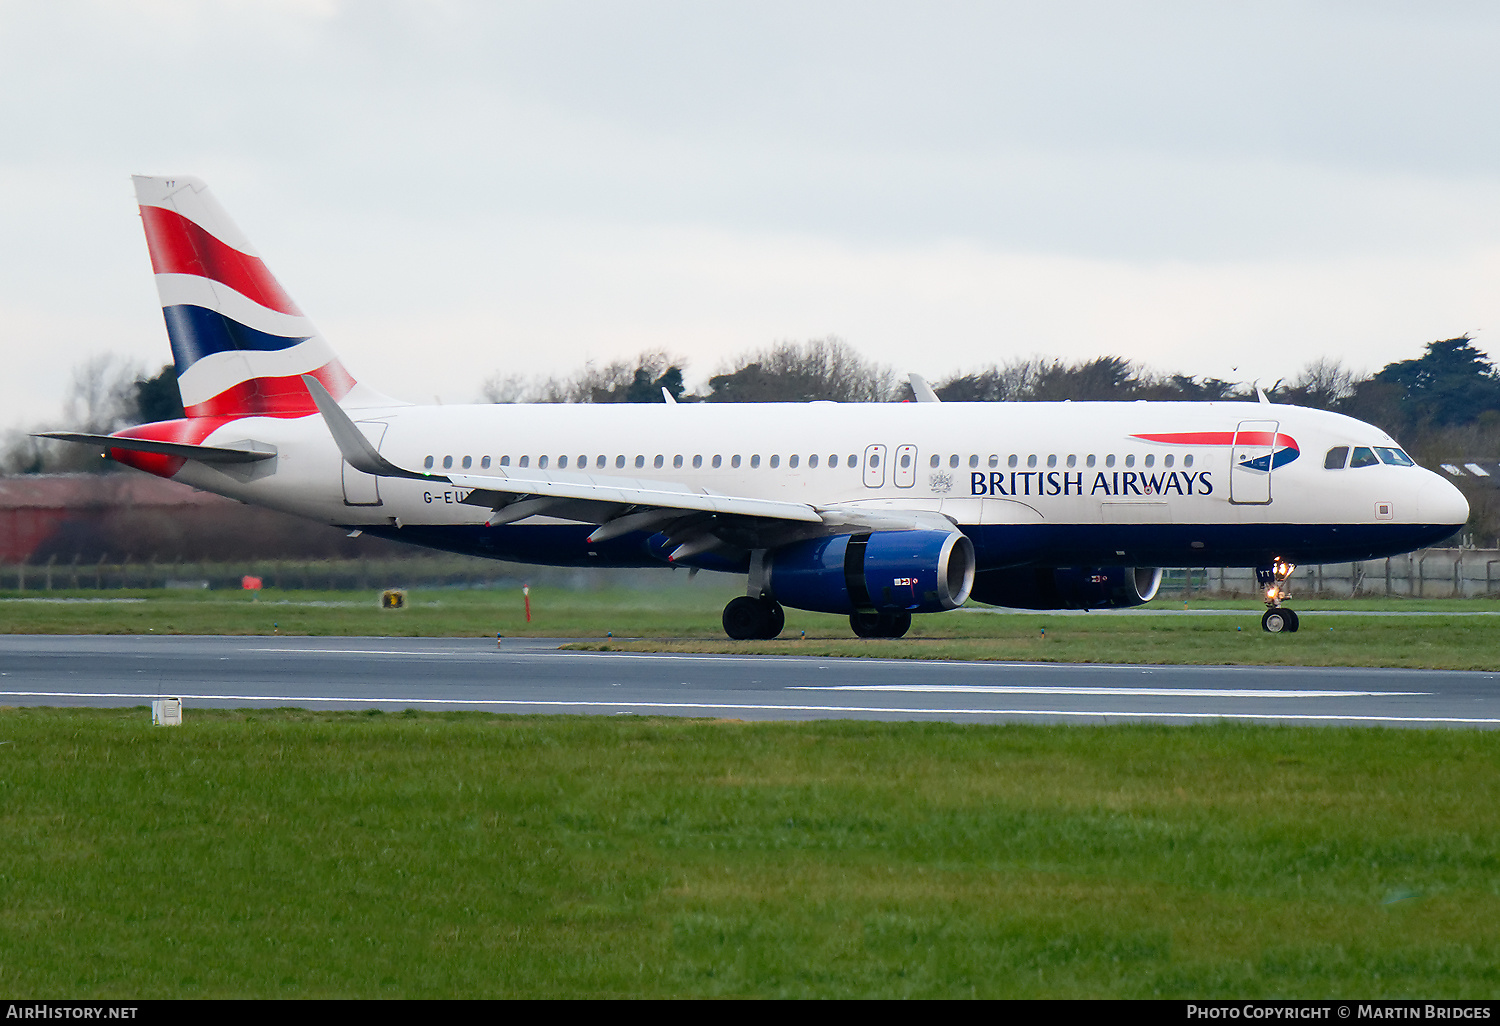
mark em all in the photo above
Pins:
pixel 853 462
pixel 640 461
pixel 484 464
pixel 905 459
pixel 994 461
pixel 755 461
pixel 1394 457
pixel 541 463
pixel 953 461
pixel 676 462
pixel 791 461
pixel 562 462
pixel 1031 461
pixel 1051 461
pixel 447 462
pixel 697 462
pixel 812 461
pixel 1336 458
pixel 1013 460
pixel 1130 460
pixel 775 462
pixel 427 463
pixel 619 462
pixel 505 461
pixel 718 462
pixel 1187 461
pixel 1150 459
pixel 657 463
pixel 1168 461
pixel 468 462
pixel 734 461
pixel 1072 461
pixel 973 461
pixel 935 461
pixel 833 461
pixel 525 461
pixel 1363 457
pixel 1090 461
pixel 600 461
pixel 1109 460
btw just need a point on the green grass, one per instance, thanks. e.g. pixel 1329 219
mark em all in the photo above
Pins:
pixel 293 853
pixel 686 618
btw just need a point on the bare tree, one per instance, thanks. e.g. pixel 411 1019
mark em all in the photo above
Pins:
pixel 503 388
pixel 619 381
pixel 102 396
pixel 825 368
pixel 1324 383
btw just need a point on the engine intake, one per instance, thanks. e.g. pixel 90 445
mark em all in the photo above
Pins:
pixel 1045 587
pixel 911 571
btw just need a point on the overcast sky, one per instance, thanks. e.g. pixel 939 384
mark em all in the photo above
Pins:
pixel 457 189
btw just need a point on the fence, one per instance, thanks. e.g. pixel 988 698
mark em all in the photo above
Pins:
pixel 318 574
pixel 1426 573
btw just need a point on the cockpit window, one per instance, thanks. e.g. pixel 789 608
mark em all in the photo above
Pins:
pixel 1394 457
pixel 1363 457
pixel 1336 458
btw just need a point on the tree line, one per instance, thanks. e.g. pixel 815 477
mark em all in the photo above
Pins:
pixel 1443 405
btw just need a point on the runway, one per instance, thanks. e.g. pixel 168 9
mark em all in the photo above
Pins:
pixel 533 676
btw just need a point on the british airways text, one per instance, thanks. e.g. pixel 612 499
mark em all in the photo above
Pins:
pixel 1116 482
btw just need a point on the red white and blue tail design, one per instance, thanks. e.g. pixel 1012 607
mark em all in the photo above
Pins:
pixel 239 341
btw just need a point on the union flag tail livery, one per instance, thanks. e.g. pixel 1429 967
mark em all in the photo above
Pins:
pixel 240 343
pixel 874 510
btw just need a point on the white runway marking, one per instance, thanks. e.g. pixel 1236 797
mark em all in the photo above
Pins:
pixel 1002 689
pixel 728 706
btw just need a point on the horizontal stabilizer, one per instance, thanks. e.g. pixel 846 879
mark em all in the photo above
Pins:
pixel 246 452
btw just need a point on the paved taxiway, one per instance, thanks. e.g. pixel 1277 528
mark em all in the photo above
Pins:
pixel 531 675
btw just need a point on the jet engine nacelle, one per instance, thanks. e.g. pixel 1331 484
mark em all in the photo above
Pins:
pixel 911 571
pixel 1045 587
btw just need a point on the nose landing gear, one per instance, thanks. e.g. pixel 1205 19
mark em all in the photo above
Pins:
pixel 1272 580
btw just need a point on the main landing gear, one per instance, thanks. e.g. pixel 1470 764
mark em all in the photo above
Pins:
pixel 1272 579
pixel 748 619
pixel 883 624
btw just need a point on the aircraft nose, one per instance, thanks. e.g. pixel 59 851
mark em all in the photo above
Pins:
pixel 1439 502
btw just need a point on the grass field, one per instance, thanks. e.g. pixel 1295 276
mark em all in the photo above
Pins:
pixel 291 853
pixel 686 618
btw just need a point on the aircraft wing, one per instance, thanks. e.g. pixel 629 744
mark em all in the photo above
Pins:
pixel 694 518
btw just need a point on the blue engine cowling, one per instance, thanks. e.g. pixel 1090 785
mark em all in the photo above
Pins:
pixel 1045 587
pixel 913 571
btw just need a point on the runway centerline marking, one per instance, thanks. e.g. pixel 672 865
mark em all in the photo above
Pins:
pixel 1124 692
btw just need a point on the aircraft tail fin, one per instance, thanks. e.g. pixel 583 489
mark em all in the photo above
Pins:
pixel 239 341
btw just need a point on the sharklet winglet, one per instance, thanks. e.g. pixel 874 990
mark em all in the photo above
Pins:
pixel 356 448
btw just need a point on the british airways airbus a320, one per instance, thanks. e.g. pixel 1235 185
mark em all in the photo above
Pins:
pixel 876 510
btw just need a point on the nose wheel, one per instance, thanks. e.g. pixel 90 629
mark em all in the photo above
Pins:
pixel 1277 619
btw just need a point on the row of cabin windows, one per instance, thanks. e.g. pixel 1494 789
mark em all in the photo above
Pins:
pixel 1069 461
pixel 851 461
pixel 1365 456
